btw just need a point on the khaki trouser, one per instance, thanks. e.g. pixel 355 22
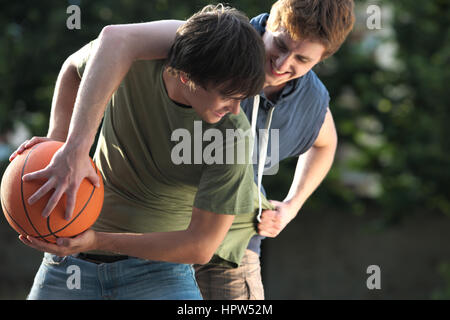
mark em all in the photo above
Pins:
pixel 222 283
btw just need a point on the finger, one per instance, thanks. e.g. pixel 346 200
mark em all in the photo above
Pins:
pixel 49 185
pixel 94 178
pixel 22 146
pixel 41 174
pixel 18 151
pixel 75 242
pixel 265 227
pixel 268 214
pixel 24 240
pixel 34 141
pixel 70 204
pixel 277 218
pixel 64 242
pixel 12 156
pixel 271 233
pixel 270 226
pixel 52 202
pixel 268 219
pixel 43 246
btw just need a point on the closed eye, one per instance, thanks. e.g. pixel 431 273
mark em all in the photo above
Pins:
pixel 280 45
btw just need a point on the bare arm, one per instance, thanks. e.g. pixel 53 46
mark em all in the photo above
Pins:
pixel 114 52
pixel 118 47
pixel 64 96
pixel 196 244
pixel 312 167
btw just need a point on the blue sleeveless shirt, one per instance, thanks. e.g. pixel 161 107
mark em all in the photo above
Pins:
pixel 299 114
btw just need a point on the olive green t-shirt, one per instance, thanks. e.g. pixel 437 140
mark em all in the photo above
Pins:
pixel 139 151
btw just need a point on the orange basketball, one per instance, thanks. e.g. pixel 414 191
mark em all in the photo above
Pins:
pixel 27 219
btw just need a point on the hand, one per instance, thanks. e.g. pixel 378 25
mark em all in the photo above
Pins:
pixel 85 241
pixel 274 221
pixel 64 174
pixel 27 145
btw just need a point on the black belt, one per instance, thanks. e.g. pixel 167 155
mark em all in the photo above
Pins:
pixel 101 258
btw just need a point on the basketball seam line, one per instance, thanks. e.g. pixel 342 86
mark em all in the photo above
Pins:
pixel 21 190
pixel 78 214
pixel 9 215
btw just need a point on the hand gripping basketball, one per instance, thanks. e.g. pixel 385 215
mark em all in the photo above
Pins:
pixel 64 174
pixel 36 181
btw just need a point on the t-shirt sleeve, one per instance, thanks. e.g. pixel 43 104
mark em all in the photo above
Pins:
pixel 82 57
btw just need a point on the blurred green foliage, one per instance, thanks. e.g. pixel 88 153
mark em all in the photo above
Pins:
pixel 444 292
pixel 392 118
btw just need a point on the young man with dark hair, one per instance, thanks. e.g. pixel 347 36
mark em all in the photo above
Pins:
pixel 158 218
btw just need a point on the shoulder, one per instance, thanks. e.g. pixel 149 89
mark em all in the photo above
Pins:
pixel 259 22
pixel 148 66
pixel 314 87
pixel 145 74
pixel 311 96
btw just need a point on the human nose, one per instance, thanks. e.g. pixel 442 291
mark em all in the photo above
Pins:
pixel 281 61
pixel 234 107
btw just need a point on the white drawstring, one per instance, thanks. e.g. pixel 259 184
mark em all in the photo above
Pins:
pixel 263 144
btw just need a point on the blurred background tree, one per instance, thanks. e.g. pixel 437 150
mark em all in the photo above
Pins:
pixel 388 88
pixel 389 91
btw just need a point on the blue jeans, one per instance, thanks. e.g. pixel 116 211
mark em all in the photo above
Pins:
pixel 65 278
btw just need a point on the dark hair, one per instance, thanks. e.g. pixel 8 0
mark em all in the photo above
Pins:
pixel 218 47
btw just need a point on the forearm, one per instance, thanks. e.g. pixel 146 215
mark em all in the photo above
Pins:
pixel 311 169
pixel 64 96
pixel 196 244
pixel 117 47
pixel 103 74
pixel 175 246
pixel 313 166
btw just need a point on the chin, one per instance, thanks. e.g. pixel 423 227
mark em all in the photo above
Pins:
pixel 211 119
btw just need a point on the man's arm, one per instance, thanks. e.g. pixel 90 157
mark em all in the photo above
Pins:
pixel 312 167
pixel 119 46
pixel 195 245
pixel 111 58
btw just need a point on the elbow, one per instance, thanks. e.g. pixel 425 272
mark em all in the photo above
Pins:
pixel 202 253
pixel 203 258
pixel 109 32
pixel 334 140
pixel 112 36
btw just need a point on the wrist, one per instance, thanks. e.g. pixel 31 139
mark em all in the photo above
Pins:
pixel 294 206
pixel 77 147
pixel 58 136
pixel 104 241
pixel 96 241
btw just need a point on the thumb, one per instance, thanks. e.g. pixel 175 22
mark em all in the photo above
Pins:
pixel 275 204
pixel 94 178
pixel 63 242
